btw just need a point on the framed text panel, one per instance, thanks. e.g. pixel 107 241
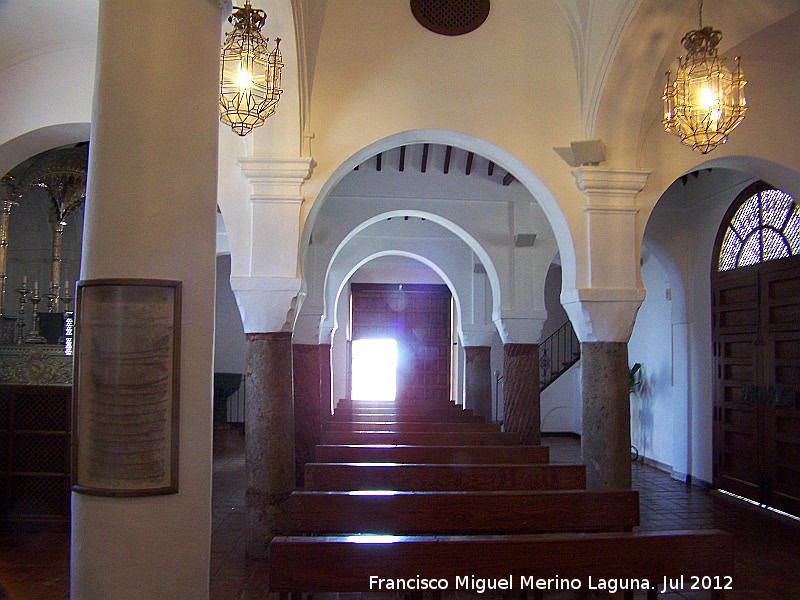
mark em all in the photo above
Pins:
pixel 126 387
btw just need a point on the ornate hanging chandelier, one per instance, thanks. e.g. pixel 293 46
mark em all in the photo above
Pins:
pixel 250 79
pixel 706 100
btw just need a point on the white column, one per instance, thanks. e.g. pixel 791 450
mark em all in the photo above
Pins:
pixel 150 213
pixel 265 292
pixel 603 314
pixel 605 309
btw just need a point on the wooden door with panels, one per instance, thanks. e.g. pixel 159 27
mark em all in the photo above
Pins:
pixel 418 317
pixel 756 335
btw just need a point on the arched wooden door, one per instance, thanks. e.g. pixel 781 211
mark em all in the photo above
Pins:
pixel 756 334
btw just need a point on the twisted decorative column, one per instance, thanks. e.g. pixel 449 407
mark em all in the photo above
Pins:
pixel 5 216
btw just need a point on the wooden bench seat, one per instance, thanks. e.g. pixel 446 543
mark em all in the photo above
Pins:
pixel 404 426
pixel 356 563
pixel 462 512
pixel 399 404
pixel 413 417
pixel 433 454
pixel 441 477
pixel 420 438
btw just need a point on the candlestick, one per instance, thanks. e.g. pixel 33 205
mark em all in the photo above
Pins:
pixel 34 337
pixel 23 297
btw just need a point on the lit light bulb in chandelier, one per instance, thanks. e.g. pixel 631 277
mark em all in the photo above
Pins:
pixel 706 101
pixel 244 80
pixel 250 75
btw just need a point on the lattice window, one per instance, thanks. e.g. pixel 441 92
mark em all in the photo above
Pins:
pixel 766 226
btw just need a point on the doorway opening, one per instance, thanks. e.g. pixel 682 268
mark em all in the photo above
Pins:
pixel 374 369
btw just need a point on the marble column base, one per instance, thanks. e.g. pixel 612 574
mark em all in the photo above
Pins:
pixel 521 408
pixel 306 369
pixel 606 431
pixel 269 439
pixel 478 380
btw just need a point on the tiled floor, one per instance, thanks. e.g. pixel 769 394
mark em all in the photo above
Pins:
pixel 34 561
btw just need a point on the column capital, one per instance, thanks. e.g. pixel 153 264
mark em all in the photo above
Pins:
pixel 610 187
pixel 476 335
pixel 521 330
pixel 265 303
pixel 275 179
pixel 326 329
pixel 307 325
pixel 603 314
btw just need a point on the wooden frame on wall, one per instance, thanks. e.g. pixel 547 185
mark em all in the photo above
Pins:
pixel 126 387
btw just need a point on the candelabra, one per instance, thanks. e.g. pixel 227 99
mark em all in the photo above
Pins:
pixel 23 298
pixel 34 337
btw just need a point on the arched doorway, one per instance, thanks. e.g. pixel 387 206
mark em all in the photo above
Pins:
pixel 417 317
pixel 755 284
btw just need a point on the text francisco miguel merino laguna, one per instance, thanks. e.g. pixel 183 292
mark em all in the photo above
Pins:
pixel 612 585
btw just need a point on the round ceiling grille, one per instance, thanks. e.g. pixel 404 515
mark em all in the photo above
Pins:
pixel 450 17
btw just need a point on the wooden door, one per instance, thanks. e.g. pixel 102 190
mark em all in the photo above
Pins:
pixel 756 312
pixel 424 361
pixel 418 317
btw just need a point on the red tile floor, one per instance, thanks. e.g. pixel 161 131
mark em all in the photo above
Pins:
pixel 34 560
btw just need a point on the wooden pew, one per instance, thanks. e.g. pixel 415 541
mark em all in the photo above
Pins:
pixel 433 454
pixel 442 477
pixel 461 512
pixel 399 404
pixel 413 417
pixel 404 426
pixel 420 438
pixel 358 563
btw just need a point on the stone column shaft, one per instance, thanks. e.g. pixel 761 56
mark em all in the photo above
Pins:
pixel 606 437
pixel 269 438
pixel 306 405
pixel 521 409
pixel 478 380
pixel 324 382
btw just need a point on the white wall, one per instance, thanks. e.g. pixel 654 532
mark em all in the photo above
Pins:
pixel 561 407
pixel 230 344
pixel 651 346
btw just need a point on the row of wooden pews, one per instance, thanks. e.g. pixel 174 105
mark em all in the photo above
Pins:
pixel 410 499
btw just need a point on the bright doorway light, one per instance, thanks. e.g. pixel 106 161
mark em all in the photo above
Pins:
pixel 374 370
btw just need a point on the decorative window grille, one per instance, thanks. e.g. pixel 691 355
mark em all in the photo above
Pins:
pixel 69 332
pixel 765 226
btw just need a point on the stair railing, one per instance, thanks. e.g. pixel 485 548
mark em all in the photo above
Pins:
pixel 557 354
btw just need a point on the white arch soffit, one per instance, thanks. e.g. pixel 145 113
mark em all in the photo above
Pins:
pixel 785 178
pixel 31 143
pixel 427 262
pixel 488 265
pixel 500 157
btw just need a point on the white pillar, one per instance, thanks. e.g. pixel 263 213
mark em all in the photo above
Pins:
pixel 603 314
pixel 150 213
